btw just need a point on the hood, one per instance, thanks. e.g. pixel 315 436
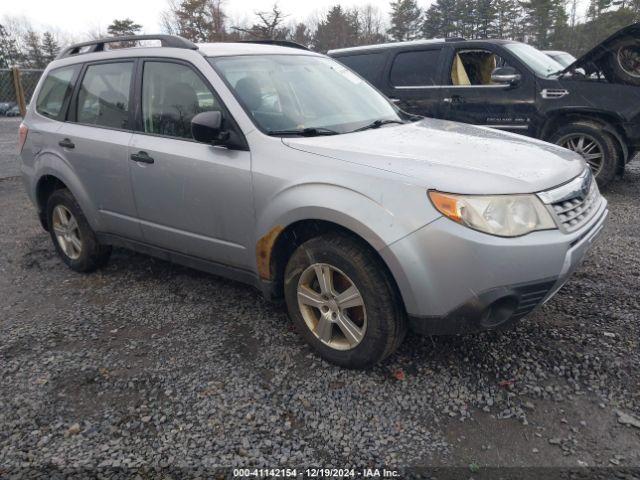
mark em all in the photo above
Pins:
pixel 600 57
pixel 452 157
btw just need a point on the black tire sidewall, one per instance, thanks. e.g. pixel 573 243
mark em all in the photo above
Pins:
pixel 614 64
pixel 93 255
pixel 607 143
pixel 380 304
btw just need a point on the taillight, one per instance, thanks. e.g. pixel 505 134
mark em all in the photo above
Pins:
pixel 22 136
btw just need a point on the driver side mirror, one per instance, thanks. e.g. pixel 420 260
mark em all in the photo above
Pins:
pixel 506 76
pixel 206 127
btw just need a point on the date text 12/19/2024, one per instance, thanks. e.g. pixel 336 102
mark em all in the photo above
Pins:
pixel 314 473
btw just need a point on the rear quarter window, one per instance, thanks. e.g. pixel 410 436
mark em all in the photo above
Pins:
pixel 56 90
pixel 368 65
pixel 415 69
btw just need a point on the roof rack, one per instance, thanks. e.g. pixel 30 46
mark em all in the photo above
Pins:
pixel 455 39
pixel 280 43
pixel 172 41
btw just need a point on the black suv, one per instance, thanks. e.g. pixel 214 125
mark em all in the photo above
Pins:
pixel 592 106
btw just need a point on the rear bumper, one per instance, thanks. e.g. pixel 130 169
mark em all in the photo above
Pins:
pixel 456 280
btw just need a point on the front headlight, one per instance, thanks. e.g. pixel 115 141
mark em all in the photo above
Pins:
pixel 501 215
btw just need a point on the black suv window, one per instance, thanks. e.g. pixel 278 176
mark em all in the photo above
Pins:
pixel 415 69
pixel 172 94
pixel 474 67
pixel 56 89
pixel 103 99
pixel 368 65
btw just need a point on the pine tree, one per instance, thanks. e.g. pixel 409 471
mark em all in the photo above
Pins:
pixel 34 54
pixel 50 47
pixel 123 28
pixel 10 55
pixel 539 16
pixel 442 19
pixel 335 31
pixel 196 20
pixel 301 34
pixel 406 20
pixel 485 18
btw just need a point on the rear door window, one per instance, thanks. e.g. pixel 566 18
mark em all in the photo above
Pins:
pixel 418 68
pixel 55 92
pixel 103 99
pixel 368 65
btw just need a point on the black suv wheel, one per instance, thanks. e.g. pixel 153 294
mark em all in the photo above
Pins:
pixel 343 302
pixel 71 234
pixel 597 147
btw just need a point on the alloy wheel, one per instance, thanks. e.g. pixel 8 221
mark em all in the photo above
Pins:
pixel 629 60
pixel 588 147
pixel 67 232
pixel 332 306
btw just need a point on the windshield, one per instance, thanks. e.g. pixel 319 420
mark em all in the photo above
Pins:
pixel 303 92
pixel 538 61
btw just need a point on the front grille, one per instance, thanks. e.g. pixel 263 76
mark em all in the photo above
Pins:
pixel 530 297
pixel 575 212
pixel 575 203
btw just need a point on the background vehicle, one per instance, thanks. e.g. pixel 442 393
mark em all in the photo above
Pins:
pixel 512 86
pixel 5 107
pixel 563 58
pixel 283 169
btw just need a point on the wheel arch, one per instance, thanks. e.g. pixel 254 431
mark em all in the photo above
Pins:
pixel 46 185
pixel 284 241
pixel 51 170
pixel 609 121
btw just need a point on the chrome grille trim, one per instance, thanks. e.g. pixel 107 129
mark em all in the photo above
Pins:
pixel 573 204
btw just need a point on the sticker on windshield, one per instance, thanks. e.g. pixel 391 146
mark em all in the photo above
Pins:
pixel 348 74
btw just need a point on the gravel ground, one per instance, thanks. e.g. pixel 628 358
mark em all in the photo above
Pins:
pixel 150 364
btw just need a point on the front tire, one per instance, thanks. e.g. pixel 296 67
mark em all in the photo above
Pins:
pixel 72 237
pixel 343 301
pixel 597 147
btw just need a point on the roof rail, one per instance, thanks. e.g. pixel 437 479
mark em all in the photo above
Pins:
pixel 280 43
pixel 455 39
pixel 172 41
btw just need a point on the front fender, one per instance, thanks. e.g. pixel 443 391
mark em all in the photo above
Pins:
pixel 348 208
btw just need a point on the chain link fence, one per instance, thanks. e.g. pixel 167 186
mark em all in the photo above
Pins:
pixel 16 88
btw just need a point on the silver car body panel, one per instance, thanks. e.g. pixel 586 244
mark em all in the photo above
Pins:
pixel 216 204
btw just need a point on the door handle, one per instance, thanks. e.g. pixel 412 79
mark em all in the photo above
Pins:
pixel 66 143
pixel 453 99
pixel 142 157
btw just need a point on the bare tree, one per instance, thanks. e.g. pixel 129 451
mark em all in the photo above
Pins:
pixel 268 27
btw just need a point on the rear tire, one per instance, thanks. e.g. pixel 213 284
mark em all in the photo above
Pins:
pixel 356 329
pixel 72 237
pixel 589 140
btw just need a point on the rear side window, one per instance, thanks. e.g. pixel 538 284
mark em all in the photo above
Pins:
pixel 368 66
pixel 55 91
pixel 415 69
pixel 103 99
pixel 172 94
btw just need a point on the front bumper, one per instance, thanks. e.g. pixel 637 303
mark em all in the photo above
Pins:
pixel 454 279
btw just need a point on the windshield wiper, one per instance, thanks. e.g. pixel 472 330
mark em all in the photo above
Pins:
pixel 305 132
pixel 376 124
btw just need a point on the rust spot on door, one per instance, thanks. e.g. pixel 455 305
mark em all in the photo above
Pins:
pixel 264 247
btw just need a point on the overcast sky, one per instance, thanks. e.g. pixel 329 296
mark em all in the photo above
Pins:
pixel 80 16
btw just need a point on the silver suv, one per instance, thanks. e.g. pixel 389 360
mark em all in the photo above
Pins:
pixel 281 168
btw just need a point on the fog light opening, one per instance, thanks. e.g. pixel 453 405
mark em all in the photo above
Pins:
pixel 499 312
